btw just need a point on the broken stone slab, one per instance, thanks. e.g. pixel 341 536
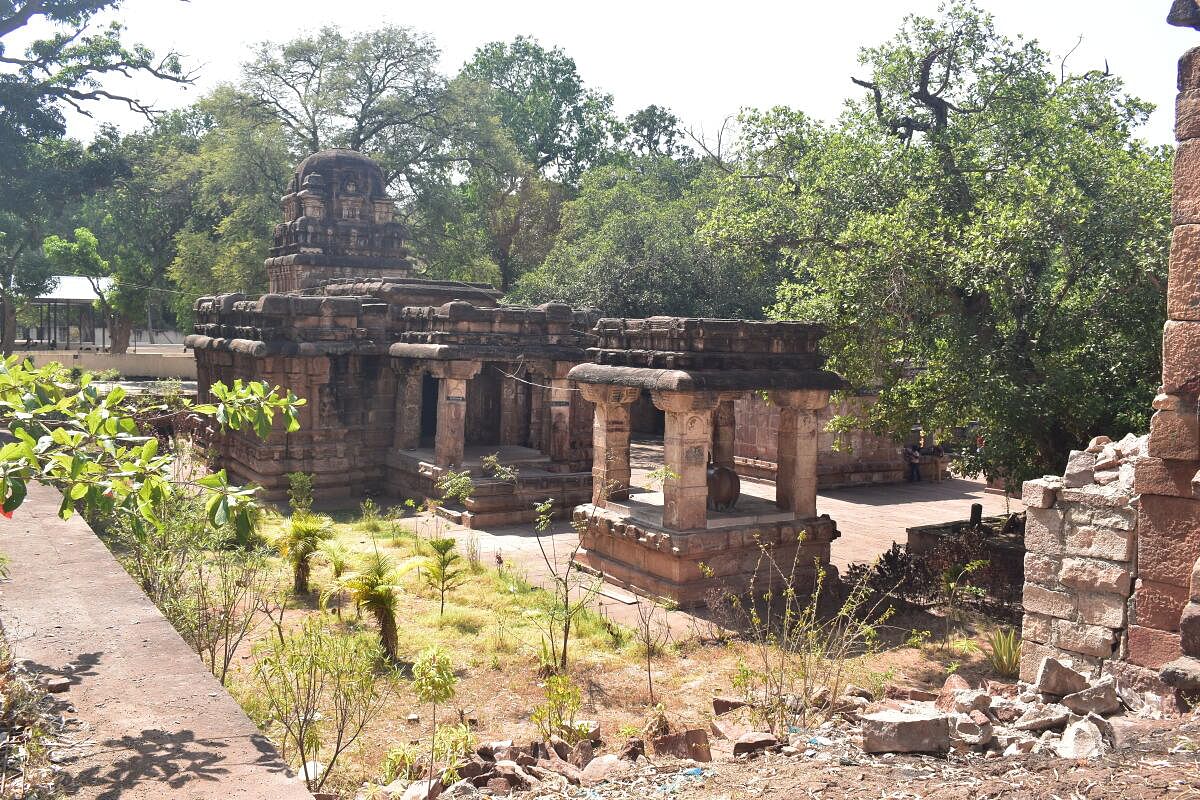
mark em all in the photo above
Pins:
pixel 691 743
pixel 1005 710
pixel 582 753
pixel 727 729
pixel 1081 740
pixel 754 742
pixel 633 750
pixel 723 705
pixel 1184 674
pixel 599 769
pixel 908 731
pixel 1098 443
pixel 1081 466
pixel 909 693
pixel 1041 717
pixel 423 790
pixel 972 700
pixel 1100 698
pixel 954 684
pixel 973 727
pixel 488 750
pixel 1055 677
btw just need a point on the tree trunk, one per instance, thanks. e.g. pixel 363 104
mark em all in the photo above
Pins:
pixel 300 577
pixel 388 637
pixel 8 334
pixel 119 329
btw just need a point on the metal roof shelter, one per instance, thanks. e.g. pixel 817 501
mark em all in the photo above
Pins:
pixel 67 314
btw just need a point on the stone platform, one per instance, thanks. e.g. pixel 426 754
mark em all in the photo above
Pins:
pixel 624 543
pixel 494 502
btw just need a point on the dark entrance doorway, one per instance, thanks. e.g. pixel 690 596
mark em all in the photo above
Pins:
pixel 429 409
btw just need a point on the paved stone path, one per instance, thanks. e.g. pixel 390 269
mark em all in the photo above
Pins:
pixel 158 724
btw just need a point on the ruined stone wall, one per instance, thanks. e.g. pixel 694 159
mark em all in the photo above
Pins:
pixel 1169 538
pixel 865 457
pixel 1081 533
pixel 345 424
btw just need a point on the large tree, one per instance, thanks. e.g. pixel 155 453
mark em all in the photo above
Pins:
pixel 982 233
pixel 629 245
pixel 558 125
pixel 65 66
pixel 378 92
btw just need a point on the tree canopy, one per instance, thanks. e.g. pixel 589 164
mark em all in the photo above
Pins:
pixel 981 230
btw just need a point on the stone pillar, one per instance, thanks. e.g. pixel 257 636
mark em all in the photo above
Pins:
pixel 796 477
pixel 559 445
pixel 1168 528
pixel 407 429
pixel 610 440
pixel 450 441
pixel 724 430
pixel 686 442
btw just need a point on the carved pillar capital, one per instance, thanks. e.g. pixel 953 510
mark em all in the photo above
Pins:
pixel 685 401
pixel 606 394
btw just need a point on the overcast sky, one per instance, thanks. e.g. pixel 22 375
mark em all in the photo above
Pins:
pixel 703 60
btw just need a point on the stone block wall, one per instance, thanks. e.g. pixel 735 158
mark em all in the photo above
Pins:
pixel 867 459
pixel 1081 541
pixel 1166 621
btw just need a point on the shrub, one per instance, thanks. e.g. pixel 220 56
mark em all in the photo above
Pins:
pixel 321 690
pixel 1005 652
pixel 300 491
pixel 442 572
pixel 370 516
pixel 556 716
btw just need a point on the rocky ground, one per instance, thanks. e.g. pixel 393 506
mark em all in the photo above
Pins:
pixel 1068 736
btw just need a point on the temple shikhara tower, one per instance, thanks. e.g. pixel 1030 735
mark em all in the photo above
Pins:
pixel 407 378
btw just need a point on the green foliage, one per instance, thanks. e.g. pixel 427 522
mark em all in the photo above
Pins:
pixel 556 716
pixel 955 585
pixel 630 245
pixel 1005 653
pixel 455 487
pixel 442 571
pixel 298 541
pixel 87 444
pixel 370 516
pixel 375 588
pixel 321 690
pixel 300 491
pixel 433 682
pixel 963 231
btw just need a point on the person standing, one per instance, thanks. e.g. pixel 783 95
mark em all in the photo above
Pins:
pixel 912 457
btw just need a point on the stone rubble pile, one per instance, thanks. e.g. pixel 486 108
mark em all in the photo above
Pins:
pixel 1062 712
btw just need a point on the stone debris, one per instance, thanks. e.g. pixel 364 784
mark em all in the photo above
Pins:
pixel 754 742
pixel 1081 467
pixel 1081 739
pixel 1057 677
pixel 906 731
pixel 1099 698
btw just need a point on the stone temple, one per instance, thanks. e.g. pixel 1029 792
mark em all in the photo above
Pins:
pixel 407 378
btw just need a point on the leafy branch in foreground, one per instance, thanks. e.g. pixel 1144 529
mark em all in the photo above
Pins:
pixel 86 443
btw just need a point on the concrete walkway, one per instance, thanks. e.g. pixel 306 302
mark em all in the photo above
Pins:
pixel 156 722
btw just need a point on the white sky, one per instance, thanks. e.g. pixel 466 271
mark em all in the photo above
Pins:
pixel 703 60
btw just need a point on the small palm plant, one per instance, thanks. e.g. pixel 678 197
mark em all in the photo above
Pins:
pixel 337 556
pixel 375 588
pixel 442 570
pixel 299 541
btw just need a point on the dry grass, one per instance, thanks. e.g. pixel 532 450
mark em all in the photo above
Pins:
pixel 493 628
